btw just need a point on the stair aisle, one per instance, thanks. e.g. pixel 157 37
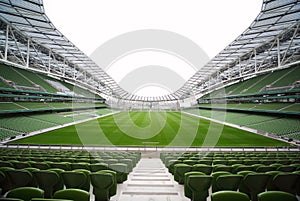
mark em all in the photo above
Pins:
pixel 150 181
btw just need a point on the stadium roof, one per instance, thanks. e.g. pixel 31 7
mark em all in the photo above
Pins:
pixel 29 19
pixel 34 42
pixel 272 40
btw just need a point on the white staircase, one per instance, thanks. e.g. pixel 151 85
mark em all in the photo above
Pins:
pixel 150 181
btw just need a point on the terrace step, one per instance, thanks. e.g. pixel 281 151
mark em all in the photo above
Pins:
pixel 150 180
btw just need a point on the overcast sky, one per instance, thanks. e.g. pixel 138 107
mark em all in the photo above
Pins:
pixel 212 25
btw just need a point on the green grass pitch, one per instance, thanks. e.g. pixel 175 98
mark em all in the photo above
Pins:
pixel 151 128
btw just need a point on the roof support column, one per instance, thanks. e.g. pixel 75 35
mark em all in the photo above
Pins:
pixel 255 60
pixel 49 61
pixel 27 58
pixel 240 68
pixel 278 52
pixel 6 42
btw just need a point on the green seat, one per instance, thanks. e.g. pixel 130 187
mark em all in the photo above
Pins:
pixel 81 165
pixel 95 167
pixel 265 168
pixel 271 185
pixel 199 185
pixel 187 190
pixel 171 163
pixel 2 179
pixel 41 165
pixel 179 170
pixel 6 184
pixel 72 194
pixel 121 170
pixel 226 168
pixel 215 175
pixel 243 187
pixel 46 180
pixel 113 188
pixel 229 196
pixel 256 183
pixel 228 182
pixel 74 179
pixel 243 168
pixel 60 184
pixel 20 164
pixel 19 178
pixel 25 193
pixel 102 183
pixel 6 164
pixel 10 199
pixel 206 169
pixel 286 168
pixel 60 165
pixel 286 182
pixel 46 199
pixel 128 162
pixel 33 182
pixel 276 196
pixel 86 185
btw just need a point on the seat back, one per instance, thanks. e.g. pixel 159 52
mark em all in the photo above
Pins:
pixel 25 193
pixel 72 194
pixel 102 183
pixel 228 182
pixel 286 182
pixel 229 196
pixel 73 179
pixel 19 178
pixel 46 180
pixel 276 196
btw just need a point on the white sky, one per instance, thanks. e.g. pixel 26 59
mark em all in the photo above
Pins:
pixel 212 25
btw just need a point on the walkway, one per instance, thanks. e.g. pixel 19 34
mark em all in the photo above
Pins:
pixel 150 181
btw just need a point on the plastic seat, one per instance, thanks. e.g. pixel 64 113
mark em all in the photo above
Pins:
pixel 215 175
pixel 286 168
pixel 229 196
pixel 20 164
pixel 81 165
pixel 121 170
pixel 228 182
pixel 265 168
pixel 19 178
pixel 128 162
pixel 179 171
pixel 46 199
pixel 10 199
pixel 98 167
pixel 199 185
pixel 86 185
pixel 256 183
pixel 187 190
pixel 206 169
pixel 225 168
pixel 113 188
pixel 60 184
pixel 25 193
pixel 60 165
pixel 286 182
pixel 276 196
pixel 102 183
pixel 72 194
pixel 171 165
pixel 74 179
pixel 41 165
pixel 6 184
pixel 46 180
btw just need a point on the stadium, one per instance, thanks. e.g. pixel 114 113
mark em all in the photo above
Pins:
pixel 69 131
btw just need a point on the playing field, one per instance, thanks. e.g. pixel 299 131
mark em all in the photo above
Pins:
pixel 151 129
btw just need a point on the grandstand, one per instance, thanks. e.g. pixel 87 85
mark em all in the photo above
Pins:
pixel 63 118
